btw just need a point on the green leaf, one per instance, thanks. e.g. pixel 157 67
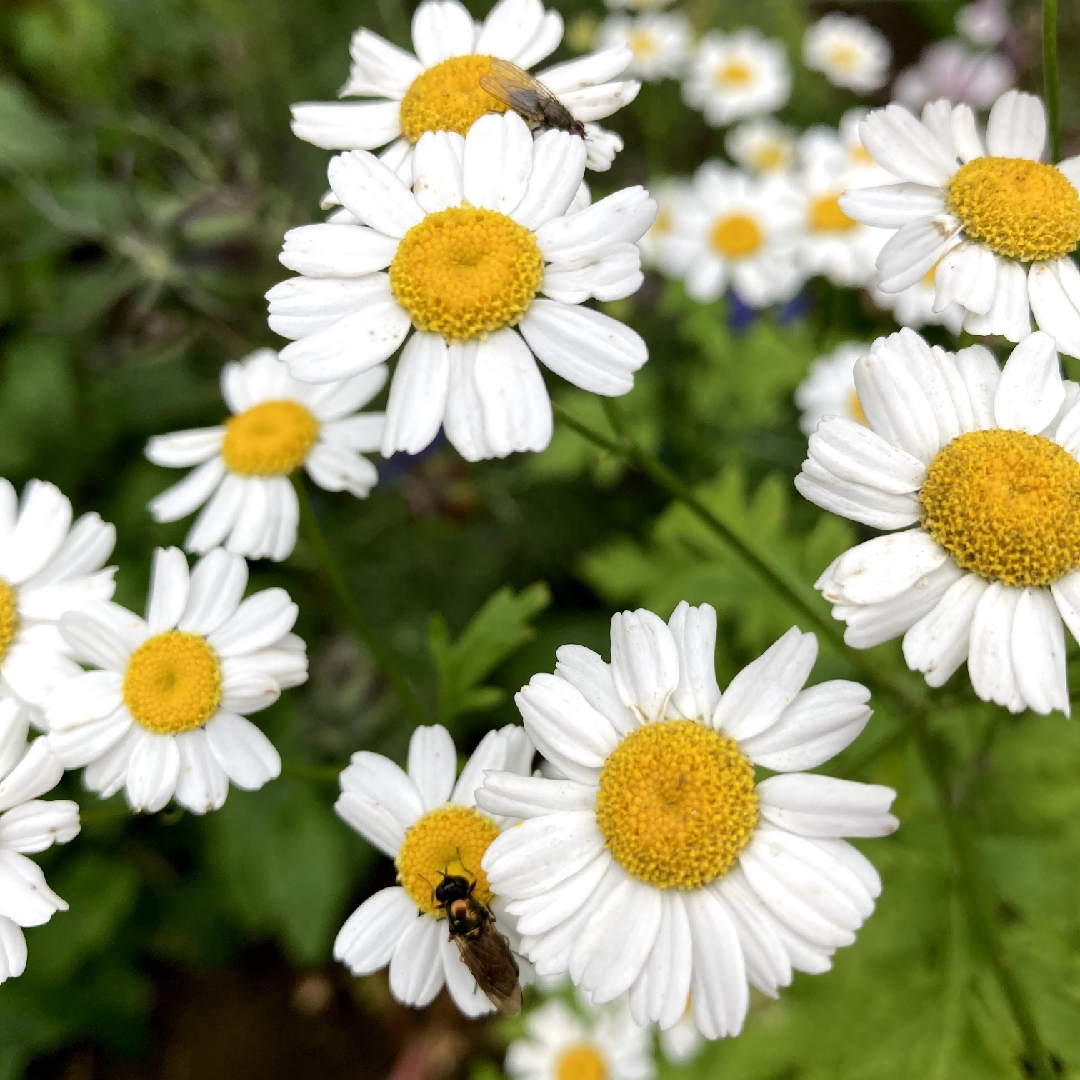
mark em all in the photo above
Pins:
pixel 37 398
pixel 28 137
pixel 500 627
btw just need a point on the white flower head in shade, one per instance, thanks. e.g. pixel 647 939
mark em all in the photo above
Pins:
pixel 985 22
pixel 656 249
pixel 439 88
pixel 660 42
pixel 594 1043
pixel 998 223
pixel 736 75
pixel 949 69
pixel 682 1042
pixel 463 261
pixel 637 5
pixel 735 231
pixel 657 865
pixel 429 824
pixel 849 52
pixel 165 713
pixel 914 306
pixel 47 567
pixel 829 387
pixel 762 145
pixel 27 825
pixel 242 467
pixel 978 466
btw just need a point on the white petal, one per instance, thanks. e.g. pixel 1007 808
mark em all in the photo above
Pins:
pixel 381 780
pixel 853 452
pixel 12 950
pixel 884 567
pixel 336 251
pixel 580 238
pixel 938 643
pixel 189 494
pixel 1017 127
pixel 1055 302
pixel 768 966
pixel 823 806
pixel 464 990
pixel 914 250
pixel 217 586
pixel 719 992
pixel 242 750
pixel 37 772
pixel 432 764
pixel 168 589
pixel 39 532
pixel 25 898
pixel 152 772
pixel 371 933
pixel 438 180
pixel 899 143
pixel 416 969
pixel 258 622
pixel 990 658
pixel 644 662
pixel 417 395
pixel 694 631
pixel 508 24
pixel 557 168
pixel 859 502
pixel 1008 314
pixel 346 125
pixel 373 193
pixel 542 913
pixel 513 399
pixel 558 718
pixel 1038 650
pixel 587 672
pixel 498 160
pixel 218 517
pixel 508 795
pixel 966 275
pixel 337 468
pixel 981 376
pixel 35 826
pixel 509 748
pixel 1031 390
pixel 664 984
pixel 441 29
pixel 892 205
pixel 184 448
pixel 202 784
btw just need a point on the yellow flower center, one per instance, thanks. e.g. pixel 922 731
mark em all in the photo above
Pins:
pixel 1006 506
pixel 173 683
pixel 855 409
pixel 448 97
pixel 9 618
pixel 1023 210
pixel 736 236
pixel 643 44
pixel 770 156
pixel 663 223
pixel 581 1061
pixel 843 56
pixel 825 215
pixel 464 272
pixel 735 73
pixel 269 439
pixel 859 155
pixel 676 804
pixel 450 840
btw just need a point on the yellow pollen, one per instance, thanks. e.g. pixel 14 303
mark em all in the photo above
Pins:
pixel 826 216
pixel 1023 210
pixel 843 56
pixel 465 273
pixel 449 840
pixel 448 97
pixel 173 683
pixel 643 44
pixel 9 618
pixel 269 439
pixel 855 409
pixel 676 804
pixel 733 73
pixel 582 1061
pixel 1006 506
pixel 770 156
pixel 736 236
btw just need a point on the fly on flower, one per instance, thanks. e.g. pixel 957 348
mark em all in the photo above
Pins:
pixel 529 98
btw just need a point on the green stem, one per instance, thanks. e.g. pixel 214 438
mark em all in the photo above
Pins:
pixel 1050 76
pixel 903 702
pixel 309 522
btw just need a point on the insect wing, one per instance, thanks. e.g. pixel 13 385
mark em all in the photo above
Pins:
pixel 487 956
pixel 518 89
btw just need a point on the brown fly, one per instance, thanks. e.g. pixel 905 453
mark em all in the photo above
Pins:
pixel 484 950
pixel 529 98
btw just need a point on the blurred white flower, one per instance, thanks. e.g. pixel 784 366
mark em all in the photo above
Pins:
pixel 660 42
pixel 761 145
pixel 849 52
pixel 737 75
pixel 683 1042
pixel 829 387
pixel 656 247
pixel 986 22
pixel 914 306
pixel 949 69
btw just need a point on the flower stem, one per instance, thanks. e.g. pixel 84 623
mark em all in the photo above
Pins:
pixel 1050 76
pixel 906 704
pixel 384 659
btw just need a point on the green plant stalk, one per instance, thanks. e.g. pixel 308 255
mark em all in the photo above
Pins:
pixel 1050 76
pixel 908 706
pixel 384 659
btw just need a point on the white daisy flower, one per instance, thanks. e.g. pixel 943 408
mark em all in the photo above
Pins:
pixel 829 388
pixel 985 22
pixel 979 467
pixel 999 226
pixel 47 567
pixel 914 306
pixel 737 75
pixel 761 145
pixel 849 52
pixel 737 232
pixel 487 230
pixel 278 425
pixel 430 826
pixel 682 1042
pixel 27 825
pixel 669 196
pixel 596 1043
pixel 658 866
pixel 164 715
pixel 949 69
pixel 660 42
pixel 439 88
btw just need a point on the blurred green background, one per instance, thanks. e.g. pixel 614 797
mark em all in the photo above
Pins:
pixel 147 174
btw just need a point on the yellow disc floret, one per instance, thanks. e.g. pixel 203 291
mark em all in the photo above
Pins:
pixel 466 272
pixel 825 215
pixel 736 236
pixel 677 804
pixel 448 97
pixel 1006 506
pixel 733 73
pixel 9 618
pixel 269 439
pixel 581 1061
pixel 173 683
pixel 448 841
pixel 1023 210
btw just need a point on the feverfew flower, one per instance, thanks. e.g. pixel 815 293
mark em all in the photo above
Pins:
pixel 949 69
pixel 439 88
pixel 47 567
pixel 761 145
pixel 430 826
pixel 655 248
pixel 659 41
pixel 979 467
pixel 27 826
pixel 738 232
pixel 278 425
pixel 829 388
pixel 998 223
pixel 737 75
pixel 164 715
pixel 986 22
pixel 488 229
pixel 849 52
pixel 658 865
pixel 596 1043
